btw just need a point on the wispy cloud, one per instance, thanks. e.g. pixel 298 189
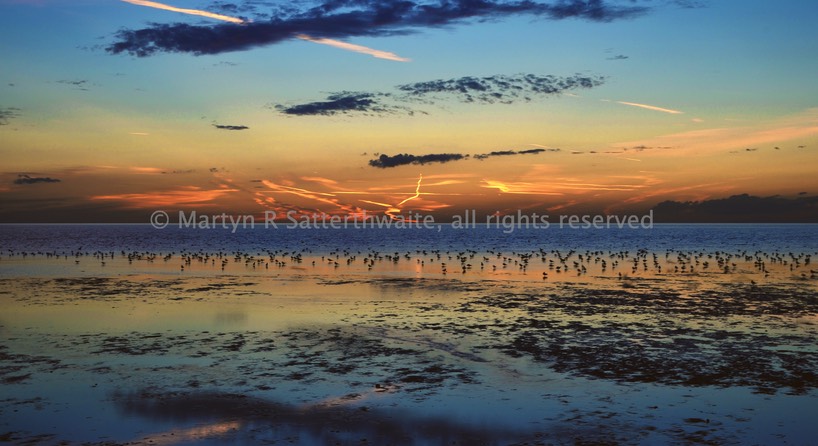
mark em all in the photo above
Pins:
pixel 196 12
pixel 352 47
pixel 552 180
pixel 321 180
pixel 7 114
pixel 794 127
pixel 498 88
pixel 325 196
pixel 519 187
pixel 78 84
pixel 345 102
pixel 183 197
pixel 651 107
pixel 311 195
pixel 698 191
pixel 349 18
pixel 28 179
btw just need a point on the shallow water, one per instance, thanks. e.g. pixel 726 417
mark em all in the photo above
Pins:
pixel 214 357
pixel 120 334
pixel 68 238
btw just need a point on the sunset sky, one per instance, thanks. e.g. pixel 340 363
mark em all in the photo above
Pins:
pixel 111 109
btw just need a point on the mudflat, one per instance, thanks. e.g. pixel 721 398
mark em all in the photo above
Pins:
pixel 303 354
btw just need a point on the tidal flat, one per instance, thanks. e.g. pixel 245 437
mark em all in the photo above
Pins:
pixel 322 352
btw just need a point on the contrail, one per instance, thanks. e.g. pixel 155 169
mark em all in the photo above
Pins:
pixel 331 42
pixel 211 15
pixel 417 192
pixel 651 107
pixel 352 47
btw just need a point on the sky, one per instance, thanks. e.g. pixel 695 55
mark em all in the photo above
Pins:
pixel 113 109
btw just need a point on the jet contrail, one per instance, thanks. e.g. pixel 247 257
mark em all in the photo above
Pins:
pixel 352 47
pixel 211 15
pixel 651 107
pixel 331 42
pixel 417 192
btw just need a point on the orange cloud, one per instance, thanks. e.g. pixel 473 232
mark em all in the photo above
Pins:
pixel 558 186
pixel 148 170
pixel 799 126
pixel 695 192
pixel 184 197
pixel 320 180
pixel 321 197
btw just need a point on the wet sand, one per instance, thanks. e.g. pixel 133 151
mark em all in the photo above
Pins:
pixel 486 349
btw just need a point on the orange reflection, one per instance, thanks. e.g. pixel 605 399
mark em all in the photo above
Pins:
pixel 198 433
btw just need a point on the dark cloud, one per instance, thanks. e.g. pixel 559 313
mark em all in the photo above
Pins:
pixel 502 153
pixel 230 127
pixel 618 57
pixel 535 151
pixel 81 84
pixel 642 148
pixel 740 209
pixel 512 152
pixel 27 179
pixel 7 114
pixel 499 88
pixel 385 161
pixel 349 18
pixel 505 89
pixel 689 4
pixel 251 8
pixel 345 102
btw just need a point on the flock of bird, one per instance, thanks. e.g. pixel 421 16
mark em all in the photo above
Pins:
pixel 549 263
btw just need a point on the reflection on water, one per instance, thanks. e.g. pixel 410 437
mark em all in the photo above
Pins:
pixel 193 434
pixel 248 419
pixel 230 319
